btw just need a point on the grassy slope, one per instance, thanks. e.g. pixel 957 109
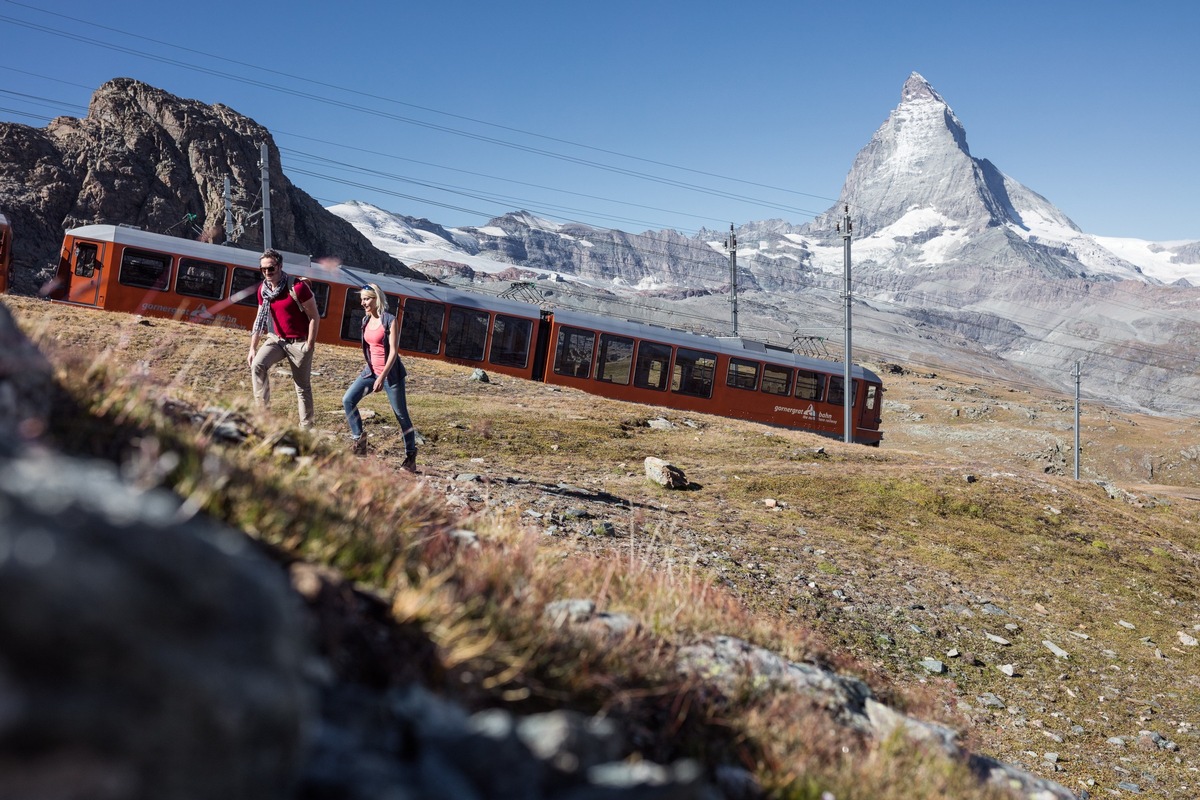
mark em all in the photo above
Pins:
pixel 867 559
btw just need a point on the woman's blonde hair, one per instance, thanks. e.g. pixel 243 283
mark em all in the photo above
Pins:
pixel 380 299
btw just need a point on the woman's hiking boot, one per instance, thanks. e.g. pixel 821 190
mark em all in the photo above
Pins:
pixel 360 446
pixel 410 462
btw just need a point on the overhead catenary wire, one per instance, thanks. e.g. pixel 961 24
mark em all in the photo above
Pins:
pixel 368 110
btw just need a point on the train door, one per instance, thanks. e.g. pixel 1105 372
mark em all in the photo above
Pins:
pixel 541 347
pixel 84 272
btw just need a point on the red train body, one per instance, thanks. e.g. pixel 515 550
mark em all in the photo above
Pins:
pixel 125 269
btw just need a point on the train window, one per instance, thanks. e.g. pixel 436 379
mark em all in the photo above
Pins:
pixel 243 289
pixel 421 326
pixel 838 397
pixel 201 279
pixel 872 394
pixel 466 338
pixel 776 380
pixel 653 366
pixel 147 270
pixel 352 310
pixel 742 374
pixel 616 359
pixel 573 355
pixel 352 316
pixel 85 259
pixel 809 384
pixel 510 341
pixel 320 292
pixel 693 373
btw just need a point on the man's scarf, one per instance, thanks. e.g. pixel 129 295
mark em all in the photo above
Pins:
pixel 264 308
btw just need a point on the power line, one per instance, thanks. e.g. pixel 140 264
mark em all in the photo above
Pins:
pixel 476 195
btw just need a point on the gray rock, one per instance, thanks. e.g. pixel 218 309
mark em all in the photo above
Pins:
pixel 185 675
pixel 664 473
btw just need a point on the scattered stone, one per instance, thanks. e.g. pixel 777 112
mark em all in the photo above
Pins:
pixel 1125 624
pixel 1008 669
pixel 991 637
pixel 565 612
pixel 933 666
pixel 465 539
pixel 664 473
pixel 1053 648
pixel 479 376
pixel 660 424
pixel 770 502
pixel 992 608
pixel 1186 640
pixel 989 700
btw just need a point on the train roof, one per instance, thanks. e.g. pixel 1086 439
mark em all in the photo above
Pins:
pixel 302 265
pixel 728 345
pixel 733 346
pixel 136 237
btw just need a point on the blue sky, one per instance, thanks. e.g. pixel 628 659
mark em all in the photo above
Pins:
pixel 647 114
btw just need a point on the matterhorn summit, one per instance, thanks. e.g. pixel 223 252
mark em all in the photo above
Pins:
pixel 953 262
pixel 917 191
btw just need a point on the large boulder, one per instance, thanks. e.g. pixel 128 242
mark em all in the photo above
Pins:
pixel 141 655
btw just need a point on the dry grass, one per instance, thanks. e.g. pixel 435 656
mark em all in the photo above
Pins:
pixel 866 560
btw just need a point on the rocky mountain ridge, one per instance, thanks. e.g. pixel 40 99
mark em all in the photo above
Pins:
pixel 144 157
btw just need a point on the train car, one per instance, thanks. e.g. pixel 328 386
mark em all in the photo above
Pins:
pixel 119 268
pixel 5 254
pixel 728 376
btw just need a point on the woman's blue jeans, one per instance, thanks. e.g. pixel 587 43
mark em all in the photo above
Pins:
pixel 362 387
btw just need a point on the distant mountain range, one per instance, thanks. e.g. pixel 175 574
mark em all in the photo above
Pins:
pixel 954 263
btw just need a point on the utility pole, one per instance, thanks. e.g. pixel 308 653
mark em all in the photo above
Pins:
pixel 228 212
pixel 845 229
pixel 264 165
pixel 731 244
pixel 1077 375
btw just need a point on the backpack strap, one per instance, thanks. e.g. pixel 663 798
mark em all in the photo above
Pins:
pixel 292 281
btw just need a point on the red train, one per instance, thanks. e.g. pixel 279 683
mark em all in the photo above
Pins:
pixel 125 269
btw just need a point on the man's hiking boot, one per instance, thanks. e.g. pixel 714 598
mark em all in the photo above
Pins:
pixel 410 463
pixel 360 446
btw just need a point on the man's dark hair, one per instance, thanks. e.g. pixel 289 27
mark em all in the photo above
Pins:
pixel 274 256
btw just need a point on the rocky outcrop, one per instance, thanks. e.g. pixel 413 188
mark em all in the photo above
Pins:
pixel 144 157
pixel 141 655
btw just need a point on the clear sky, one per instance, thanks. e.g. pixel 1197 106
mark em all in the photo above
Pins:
pixel 646 115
